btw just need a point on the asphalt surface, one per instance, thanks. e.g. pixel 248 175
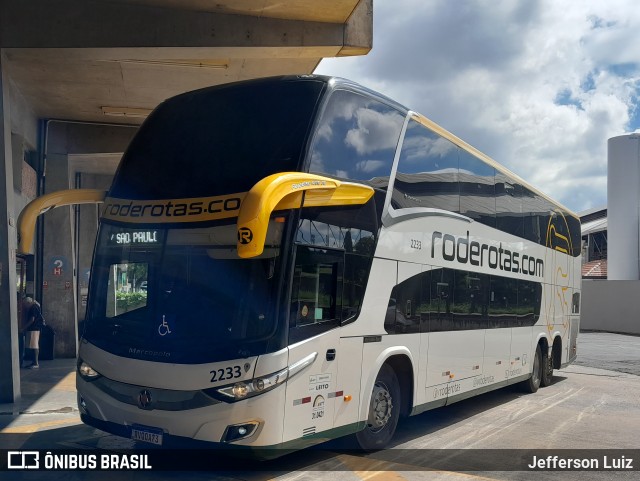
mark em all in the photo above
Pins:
pixel 613 352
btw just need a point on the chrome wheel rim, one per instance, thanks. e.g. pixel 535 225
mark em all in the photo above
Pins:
pixel 381 407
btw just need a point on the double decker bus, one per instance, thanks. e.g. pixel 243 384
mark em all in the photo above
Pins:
pixel 288 260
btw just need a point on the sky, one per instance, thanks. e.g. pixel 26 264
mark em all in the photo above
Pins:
pixel 538 85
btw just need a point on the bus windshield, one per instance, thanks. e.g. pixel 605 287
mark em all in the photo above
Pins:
pixel 181 295
pixel 218 141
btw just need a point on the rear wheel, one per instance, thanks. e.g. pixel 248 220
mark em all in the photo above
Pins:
pixel 533 383
pixel 546 377
pixel 384 410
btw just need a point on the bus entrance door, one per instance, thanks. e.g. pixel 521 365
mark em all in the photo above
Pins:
pixel 314 318
pixel 311 396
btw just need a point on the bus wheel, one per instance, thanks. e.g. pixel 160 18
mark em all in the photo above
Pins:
pixel 384 410
pixel 533 383
pixel 546 377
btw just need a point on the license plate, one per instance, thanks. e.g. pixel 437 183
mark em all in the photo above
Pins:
pixel 147 435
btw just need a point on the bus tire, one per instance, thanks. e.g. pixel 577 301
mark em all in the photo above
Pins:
pixel 546 376
pixel 384 410
pixel 533 383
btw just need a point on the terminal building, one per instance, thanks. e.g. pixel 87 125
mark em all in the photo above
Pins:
pixel 594 243
pixel 611 245
pixel 78 78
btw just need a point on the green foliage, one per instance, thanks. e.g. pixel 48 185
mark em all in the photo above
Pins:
pixel 365 246
pixel 130 300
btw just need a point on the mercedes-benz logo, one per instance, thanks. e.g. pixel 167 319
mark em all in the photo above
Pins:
pixel 144 399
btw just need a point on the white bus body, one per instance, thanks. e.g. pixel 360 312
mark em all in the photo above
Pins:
pixel 435 324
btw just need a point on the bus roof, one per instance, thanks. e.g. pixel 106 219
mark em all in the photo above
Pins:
pixel 338 83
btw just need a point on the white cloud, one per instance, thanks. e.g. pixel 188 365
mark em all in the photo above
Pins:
pixel 416 148
pixel 369 166
pixel 317 162
pixel 376 131
pixel 540 85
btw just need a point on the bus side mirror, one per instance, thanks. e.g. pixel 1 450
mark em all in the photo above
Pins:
pixel 289 190
pixel 44 203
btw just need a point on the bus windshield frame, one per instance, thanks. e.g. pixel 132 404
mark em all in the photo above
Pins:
pixel 182 295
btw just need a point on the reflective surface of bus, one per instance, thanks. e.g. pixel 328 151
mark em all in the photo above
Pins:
pixel 288 260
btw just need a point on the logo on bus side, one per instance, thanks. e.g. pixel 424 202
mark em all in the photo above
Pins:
pixel 173 210
pixel 464 250
pixel 245 236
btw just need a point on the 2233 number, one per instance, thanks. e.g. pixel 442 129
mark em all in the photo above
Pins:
pixel 225 373
pixel 416 244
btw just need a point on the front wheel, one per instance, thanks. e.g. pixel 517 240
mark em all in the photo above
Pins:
pixel 384 410
pixel 533 383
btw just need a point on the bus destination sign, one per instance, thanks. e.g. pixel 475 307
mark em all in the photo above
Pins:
pixel 136 237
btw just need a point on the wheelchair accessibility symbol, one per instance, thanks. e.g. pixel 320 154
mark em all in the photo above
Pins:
pixel 163 329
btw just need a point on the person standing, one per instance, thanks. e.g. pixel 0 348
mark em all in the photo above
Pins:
pixel 33 323
pixel 21 328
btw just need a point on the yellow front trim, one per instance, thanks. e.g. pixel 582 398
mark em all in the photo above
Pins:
pixel 28 216
pixel 282 191
pixel 289 190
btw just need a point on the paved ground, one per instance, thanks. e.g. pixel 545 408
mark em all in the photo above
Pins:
pixel 592 405
pixel 613 352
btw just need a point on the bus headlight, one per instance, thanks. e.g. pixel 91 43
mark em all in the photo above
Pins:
pixel 87 372
pixel 250 388
pixel 253 387
pixel 240 390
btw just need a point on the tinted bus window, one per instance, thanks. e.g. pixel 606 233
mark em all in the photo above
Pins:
pixel 471 300
pixel 351 229
pixel 427 174
pixel 509 206
pixel 217 133
pixel 356 139
pixel 535 214
pixel 529 300
pixel 503 302
pixel 477 192
pixel 442 289
pixel 404 309
pixel 574 232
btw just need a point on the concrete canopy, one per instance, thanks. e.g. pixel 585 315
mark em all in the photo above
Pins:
pixel 114 61
pixel 93 70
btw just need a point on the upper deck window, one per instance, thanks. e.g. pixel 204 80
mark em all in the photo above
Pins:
pixel 477 189
pixel 427 173
pixel 356 139
pixel 219 141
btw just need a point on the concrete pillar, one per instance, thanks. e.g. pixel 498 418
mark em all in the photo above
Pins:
pixel 623 208
pixel 63 279
pixel 59 292
pixel 9 368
